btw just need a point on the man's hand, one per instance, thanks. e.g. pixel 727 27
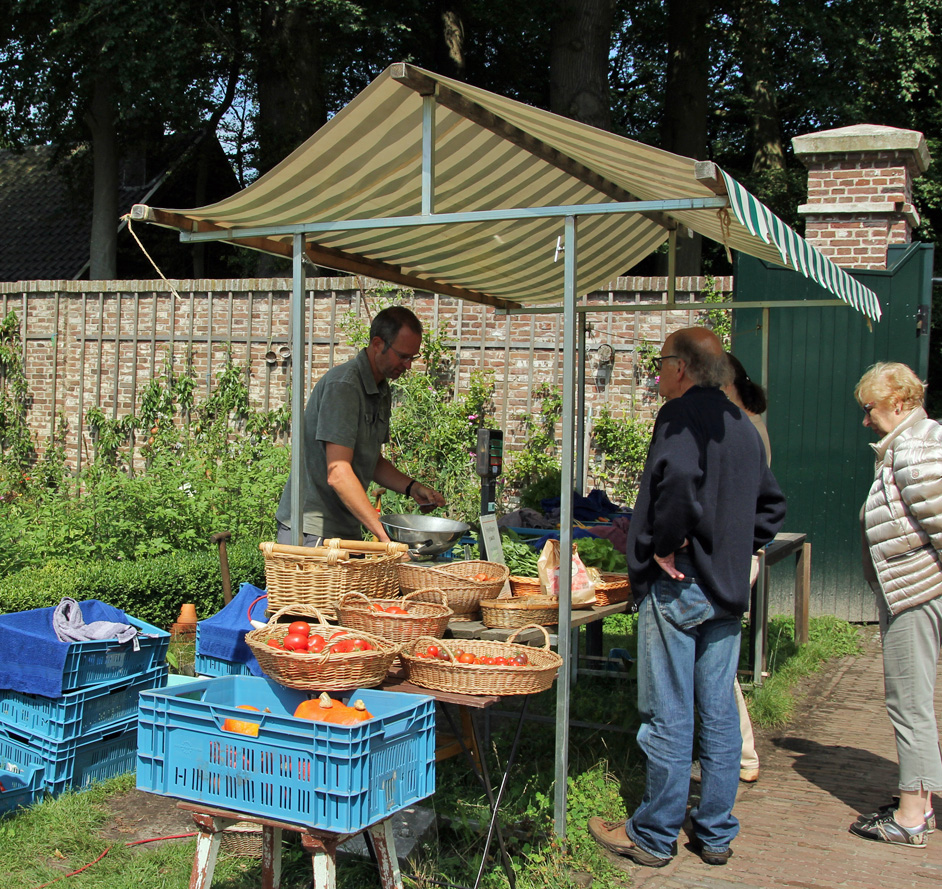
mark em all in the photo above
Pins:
pixel 667 565
pixel 427 498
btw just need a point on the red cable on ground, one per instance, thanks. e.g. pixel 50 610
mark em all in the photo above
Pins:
pixel 178 836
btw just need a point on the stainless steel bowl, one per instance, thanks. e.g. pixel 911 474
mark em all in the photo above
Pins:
pixel 426 535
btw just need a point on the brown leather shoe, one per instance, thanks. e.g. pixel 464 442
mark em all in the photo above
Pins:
pixel 611 835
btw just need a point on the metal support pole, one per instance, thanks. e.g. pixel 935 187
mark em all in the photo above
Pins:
pixel 428 155
pixel 297 393
pixel 563 682
pixel 580 411
pixel 671 266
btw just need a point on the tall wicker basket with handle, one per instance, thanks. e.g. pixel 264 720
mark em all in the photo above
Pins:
pixel 321 575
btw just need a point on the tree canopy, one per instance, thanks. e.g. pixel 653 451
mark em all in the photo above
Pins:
pixel 726 80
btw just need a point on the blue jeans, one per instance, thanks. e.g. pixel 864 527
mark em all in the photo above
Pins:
pixel 688 651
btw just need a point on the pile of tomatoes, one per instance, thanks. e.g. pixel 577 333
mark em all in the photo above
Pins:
pixel 436 652
pixel 300 639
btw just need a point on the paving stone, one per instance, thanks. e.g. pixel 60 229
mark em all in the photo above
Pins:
pixel 836 760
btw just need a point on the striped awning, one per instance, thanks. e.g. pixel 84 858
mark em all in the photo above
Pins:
pixel 434 184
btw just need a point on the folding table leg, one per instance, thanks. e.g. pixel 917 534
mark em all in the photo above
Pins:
pixel 381 837
pixel 323 860
pixel 271 856
pixel 494 827
pixel 207 850
pixel 480 770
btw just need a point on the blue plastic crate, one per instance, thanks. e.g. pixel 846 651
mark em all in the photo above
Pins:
pixel 91 663
pixel 332 777
pixel 20 787
pixel 95 757
pixel 205 665
pixel 72 715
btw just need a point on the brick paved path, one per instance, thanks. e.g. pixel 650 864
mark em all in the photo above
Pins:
pixel 836 760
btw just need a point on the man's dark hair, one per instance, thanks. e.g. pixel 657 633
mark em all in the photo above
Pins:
pixel 387 324
pixel 750 393
pixel 705 366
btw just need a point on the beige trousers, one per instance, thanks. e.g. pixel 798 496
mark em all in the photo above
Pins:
pixel 749 759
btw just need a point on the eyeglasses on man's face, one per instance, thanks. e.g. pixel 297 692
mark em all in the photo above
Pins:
pixel 869 406
pixel 403 356
pixel 657 362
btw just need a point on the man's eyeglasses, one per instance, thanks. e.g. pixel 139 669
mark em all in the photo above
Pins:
pixel 869 406
pixel 661 359
pixel 403 356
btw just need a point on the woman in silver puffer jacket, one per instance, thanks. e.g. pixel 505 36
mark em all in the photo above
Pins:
pixel 902 521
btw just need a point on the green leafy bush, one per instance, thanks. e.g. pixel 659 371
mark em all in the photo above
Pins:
pixel 622 444
pixel 151 589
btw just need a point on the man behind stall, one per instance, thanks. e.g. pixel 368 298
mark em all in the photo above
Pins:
pixel 707 502
pixel 346 424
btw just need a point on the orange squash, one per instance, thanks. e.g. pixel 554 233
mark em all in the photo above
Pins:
pixel 326 709
pixel 239 726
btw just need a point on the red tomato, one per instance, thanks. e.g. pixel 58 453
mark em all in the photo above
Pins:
pixel 335 634
pixel 433 651
pixel 300 627
pixel 377 607
pixel 342 646
pixel 395 609
pixel 519 660
pixel 501 661
pixel 295 642
pixel 361 645
pixel 467 658
pixel 274 643
pixel 316 643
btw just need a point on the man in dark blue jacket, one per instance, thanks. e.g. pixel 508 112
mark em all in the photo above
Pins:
pixel 707 502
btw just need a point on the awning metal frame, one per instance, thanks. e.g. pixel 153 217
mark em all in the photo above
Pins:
pixel 572 456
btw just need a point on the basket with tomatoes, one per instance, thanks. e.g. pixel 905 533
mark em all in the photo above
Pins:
pixel 482 667
pixel 465 584
pixel 318 655
pixel 396 620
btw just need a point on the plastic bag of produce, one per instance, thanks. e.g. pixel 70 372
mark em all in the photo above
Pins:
pixel 583 582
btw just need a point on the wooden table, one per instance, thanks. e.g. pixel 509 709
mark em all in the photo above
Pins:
pixel 321 845
pixel 784 545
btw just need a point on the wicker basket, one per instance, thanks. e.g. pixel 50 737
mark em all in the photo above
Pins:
pixel 525 586
pixel 519 611
pixel 423 619
pixel 463 593
pixel 326 671
pixel 242 840
pixel 613 588
pixel 484 679
pixel 319 576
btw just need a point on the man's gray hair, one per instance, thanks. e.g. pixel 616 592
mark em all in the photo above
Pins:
pixel 705 366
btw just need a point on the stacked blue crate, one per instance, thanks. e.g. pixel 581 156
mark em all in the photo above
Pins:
pixel 89 732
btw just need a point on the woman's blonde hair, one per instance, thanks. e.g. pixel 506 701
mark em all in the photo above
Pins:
pixel 891 381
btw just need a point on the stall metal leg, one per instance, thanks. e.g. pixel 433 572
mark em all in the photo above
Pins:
pixel 482 773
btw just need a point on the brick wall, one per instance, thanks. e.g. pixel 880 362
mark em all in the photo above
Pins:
pixel 860 191
pixel 100 343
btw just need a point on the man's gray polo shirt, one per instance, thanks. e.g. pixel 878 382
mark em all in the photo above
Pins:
pixel 347 408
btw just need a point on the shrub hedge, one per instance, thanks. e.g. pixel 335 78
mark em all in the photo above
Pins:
pixel 151 589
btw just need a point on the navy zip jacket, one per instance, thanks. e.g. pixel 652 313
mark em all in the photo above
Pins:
pixel 705 481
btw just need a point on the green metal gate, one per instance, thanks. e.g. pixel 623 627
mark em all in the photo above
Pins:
pixel 813 359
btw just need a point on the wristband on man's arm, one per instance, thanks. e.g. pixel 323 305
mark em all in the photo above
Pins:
pixel 408 489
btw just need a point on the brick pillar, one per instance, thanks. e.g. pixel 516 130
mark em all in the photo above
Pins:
pixel 860 190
